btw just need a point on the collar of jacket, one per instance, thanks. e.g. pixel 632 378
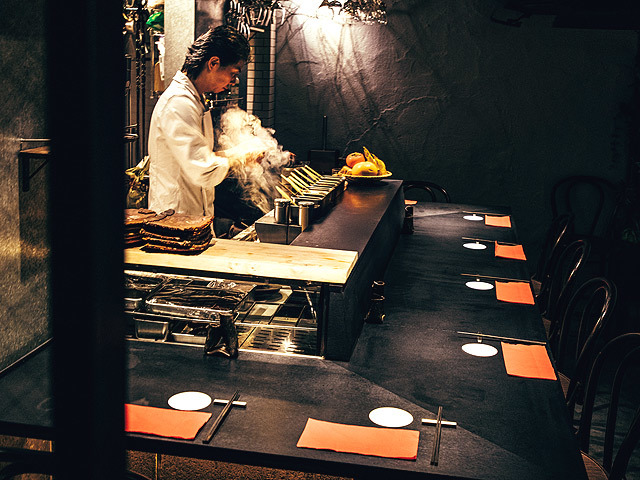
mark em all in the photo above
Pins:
pixel 181 78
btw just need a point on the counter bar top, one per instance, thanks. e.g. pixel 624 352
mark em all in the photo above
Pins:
pixel 269 260
pixel 508 427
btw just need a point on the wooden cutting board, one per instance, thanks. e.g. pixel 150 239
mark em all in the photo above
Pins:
pixel 268 260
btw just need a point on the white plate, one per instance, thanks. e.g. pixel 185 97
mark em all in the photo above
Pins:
pixel 479 349
pixel 474 246
pixel 479 285
pixel 474 217
pixel 189 401
pixel 390 417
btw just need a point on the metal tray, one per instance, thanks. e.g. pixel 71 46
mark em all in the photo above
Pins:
pixel 138 285
pixel 198 298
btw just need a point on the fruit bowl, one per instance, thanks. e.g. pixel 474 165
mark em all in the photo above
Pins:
pixel 366 179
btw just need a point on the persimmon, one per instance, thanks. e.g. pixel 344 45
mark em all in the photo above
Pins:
pixel 353 158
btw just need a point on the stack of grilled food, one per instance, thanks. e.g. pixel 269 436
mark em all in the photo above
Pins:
pixel 133 220
pixel 168 232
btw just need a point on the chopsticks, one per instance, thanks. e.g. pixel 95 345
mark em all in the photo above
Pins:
pixel 486 213
pixel 477 275
pixel 436 441
pixel 485 240
pixel 221 417
pixel 503 339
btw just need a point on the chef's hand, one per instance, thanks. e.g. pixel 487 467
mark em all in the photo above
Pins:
pixel 245 154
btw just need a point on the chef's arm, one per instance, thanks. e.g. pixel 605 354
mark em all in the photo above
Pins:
pixel 200 165
pixel 244 153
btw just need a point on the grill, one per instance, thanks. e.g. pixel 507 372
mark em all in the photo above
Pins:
pixel 178 309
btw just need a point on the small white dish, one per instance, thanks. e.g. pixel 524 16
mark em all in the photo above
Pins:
pixel 479 285
pixel 479 349
pixel 474 246
pixel 189 401
pixel 390 417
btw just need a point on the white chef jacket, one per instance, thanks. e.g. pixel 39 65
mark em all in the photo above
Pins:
pixel 183 169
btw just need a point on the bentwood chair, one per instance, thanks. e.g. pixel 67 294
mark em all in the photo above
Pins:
pixel 555 240
pixel 576 338
pixel 591 200
pixel 623 352
pixel 556 287
pixel 593 203
pixel 435 191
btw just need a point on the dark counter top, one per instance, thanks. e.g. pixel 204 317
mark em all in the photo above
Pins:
pixel 351 224
pixel 509 427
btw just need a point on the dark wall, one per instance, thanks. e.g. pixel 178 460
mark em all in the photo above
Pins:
pixel 494 113
pixel 24 248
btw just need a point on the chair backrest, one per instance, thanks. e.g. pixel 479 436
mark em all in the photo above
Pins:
pixel 555 239
pixel 591 200
pixel 556 287
pixel 435 191
pixel 575 340
pixel 625 350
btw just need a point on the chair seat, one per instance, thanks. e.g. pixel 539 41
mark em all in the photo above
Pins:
pixel 594 470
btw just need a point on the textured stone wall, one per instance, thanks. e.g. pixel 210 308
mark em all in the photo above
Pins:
pixel 441 93
pixel 24 249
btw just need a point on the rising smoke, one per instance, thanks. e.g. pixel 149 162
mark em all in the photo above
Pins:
pixel 244 134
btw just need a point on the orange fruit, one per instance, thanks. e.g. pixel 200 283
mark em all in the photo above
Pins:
pixel 364 169
pixel 353 158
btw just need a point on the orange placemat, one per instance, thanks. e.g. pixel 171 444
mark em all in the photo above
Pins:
pixel 514 292
pixel 380 442
pixel 494 221
pixel 515 252
pixel 530 361
pixel 163 422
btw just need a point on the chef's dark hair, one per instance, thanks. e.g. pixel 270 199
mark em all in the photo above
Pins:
pixel 223 42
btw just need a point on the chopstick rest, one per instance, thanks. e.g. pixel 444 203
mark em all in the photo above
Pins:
pixel 218 421
pixel 444 423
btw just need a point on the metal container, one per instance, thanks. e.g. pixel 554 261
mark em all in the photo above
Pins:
pixel 281 210
pixel 304 212
pixel 151 329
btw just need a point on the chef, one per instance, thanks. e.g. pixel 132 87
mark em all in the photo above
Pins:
pixel 183 168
